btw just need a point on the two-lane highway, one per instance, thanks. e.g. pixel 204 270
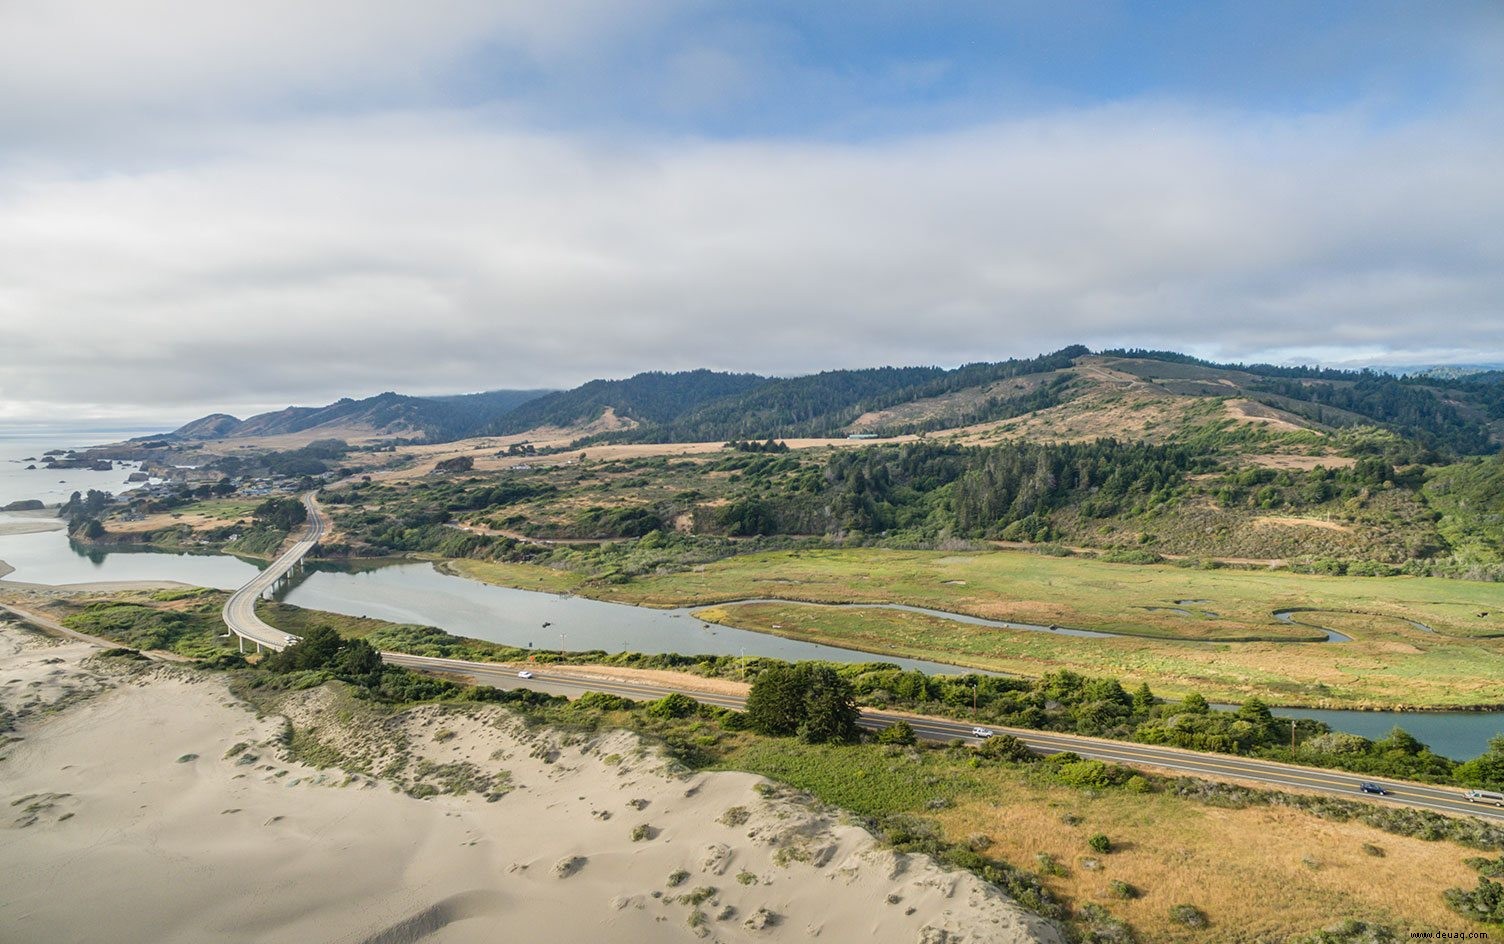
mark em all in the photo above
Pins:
pixel 240 610
pixel 240 616
pixel 1270 774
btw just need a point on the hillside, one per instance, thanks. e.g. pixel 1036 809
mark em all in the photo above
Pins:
pixel 386 414
pixel 654 398
pixel 1069 395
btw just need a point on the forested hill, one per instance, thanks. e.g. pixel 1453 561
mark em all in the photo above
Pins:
pixel 653 398
pixel 433 418
pixel 825 404
pixel 703 405
pixel 1462 415
pixel 1071 394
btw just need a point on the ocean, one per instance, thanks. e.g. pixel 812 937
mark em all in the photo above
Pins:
pixel 21 446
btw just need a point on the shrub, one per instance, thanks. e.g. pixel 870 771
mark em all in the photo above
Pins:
pixel 1121 889
pixel 1188 915
pixel 677 878
pixel 1493 868
pixel 643 832
pixel 1088 773
pixel 1006 747
pixel 1350 931
pixel 900 732
pixel 602 701
pixel 1100 843
pixel 673 705
pixel 1102 927
pixel 1484 903
pixel 1049 865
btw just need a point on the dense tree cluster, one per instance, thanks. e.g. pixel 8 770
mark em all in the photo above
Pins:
pixel 1003 491
pixel 808 699
pixel 770 445
pixel 280 514
pixel 652 397
pixel 702 405
pixel 1410 409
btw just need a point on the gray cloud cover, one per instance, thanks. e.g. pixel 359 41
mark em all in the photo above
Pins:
pixel 164 252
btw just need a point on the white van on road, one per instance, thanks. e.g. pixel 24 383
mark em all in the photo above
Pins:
pixel 1485 796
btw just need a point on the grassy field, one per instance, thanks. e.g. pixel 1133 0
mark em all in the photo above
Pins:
pixel 224 509
pixel 1379 670
pixel 1390 663
pixel 297 620
pixel 1230 863
pixel 1227 859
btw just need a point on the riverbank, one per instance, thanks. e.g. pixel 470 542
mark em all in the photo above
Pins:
pixel 179 792
pixel 17 522
pixel 1416 643
pixel 93 586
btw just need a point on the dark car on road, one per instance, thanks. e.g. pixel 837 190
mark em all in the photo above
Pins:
pixel 1368 786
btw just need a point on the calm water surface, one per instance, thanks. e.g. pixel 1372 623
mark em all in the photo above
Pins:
pixel 20 448
pixel 417 593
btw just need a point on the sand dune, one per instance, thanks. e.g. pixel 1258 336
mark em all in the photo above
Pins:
pixel 146 804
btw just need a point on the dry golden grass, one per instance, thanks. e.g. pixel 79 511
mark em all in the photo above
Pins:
pixel 1137 411
pixel 1260 875
pixel 158 522
pixel 484 451
pixel 1300 463
pixel 1245 411
pixel 1284 521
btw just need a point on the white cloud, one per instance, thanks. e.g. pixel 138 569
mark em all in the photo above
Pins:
pixel 73 67
pixel 174 234
pixel 433 252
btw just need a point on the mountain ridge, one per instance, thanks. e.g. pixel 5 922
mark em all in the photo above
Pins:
pixel 1460 415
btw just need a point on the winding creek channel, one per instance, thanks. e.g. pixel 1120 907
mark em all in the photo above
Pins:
pixel 416 592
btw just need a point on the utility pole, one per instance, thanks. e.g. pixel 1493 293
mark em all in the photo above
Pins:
pixel 561 644
pixel 1292 734
pixel 973 696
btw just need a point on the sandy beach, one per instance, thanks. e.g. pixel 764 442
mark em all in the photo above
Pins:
pixel 143 802
pixel 30 522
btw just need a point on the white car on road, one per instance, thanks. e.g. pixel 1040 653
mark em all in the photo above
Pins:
pixel 982 732
pixel 524 674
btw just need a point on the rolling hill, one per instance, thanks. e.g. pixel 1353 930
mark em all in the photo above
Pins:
pixel 1070 394
pixel 386 414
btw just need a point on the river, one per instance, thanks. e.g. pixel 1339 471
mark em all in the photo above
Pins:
pixel 414 592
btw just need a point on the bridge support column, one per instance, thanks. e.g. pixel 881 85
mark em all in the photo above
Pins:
pixel 258 647
pixel 242 643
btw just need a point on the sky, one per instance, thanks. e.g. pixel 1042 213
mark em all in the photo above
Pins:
pixel 239 206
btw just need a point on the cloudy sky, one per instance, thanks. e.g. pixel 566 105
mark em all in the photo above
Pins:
pixel 221 205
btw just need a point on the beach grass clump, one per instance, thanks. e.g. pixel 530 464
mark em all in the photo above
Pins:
pixel 699 896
